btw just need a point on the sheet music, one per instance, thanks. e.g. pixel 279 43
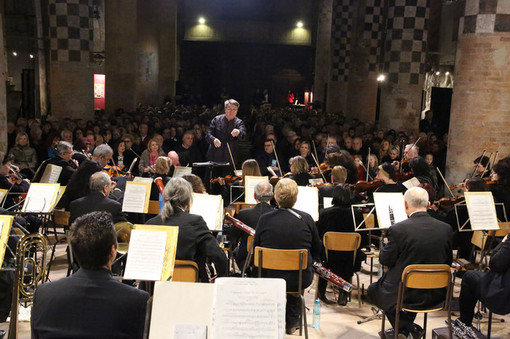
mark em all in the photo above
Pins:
pixel 146 255
pixel 142 179
pixel 315 181
pixel 179 171
pixel 190 331
pixel 210 207
pixel 40 197
pixel 248 308
pixel 481 211
pixel 308 201
pixel 51 174
pixel 249 187
pixel 5 229
pixel 1 225
pixel 413 182
pixel 2 195
pixel 136 197
pixel 328 202
pixel 390 208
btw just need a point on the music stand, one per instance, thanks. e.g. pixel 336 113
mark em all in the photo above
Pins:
pixel 210 165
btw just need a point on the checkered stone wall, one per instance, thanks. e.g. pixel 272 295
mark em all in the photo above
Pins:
pixel 481 16
pixel 373 32
pixel 406 41
pixel 341 39
pixel 71 30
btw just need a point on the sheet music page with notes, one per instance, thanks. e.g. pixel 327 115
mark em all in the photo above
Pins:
pixel 210 207
pixel 136 197
pixel 308 201
pixel 481 211
pixel 51 174
pixel 146 255
pixel 5 230
pixel 179 171
pixel 249 187
pixel 248 308
pixel 40 197
pixel 390 208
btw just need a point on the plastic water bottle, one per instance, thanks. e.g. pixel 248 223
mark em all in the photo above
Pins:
pixel 316 314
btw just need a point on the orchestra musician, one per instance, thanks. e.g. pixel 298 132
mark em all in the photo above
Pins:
pixel 338 218
pixel 268 159
pixel 63 159
pixel 299 170
pixel 287 228
pixel 482 166
pixel 500 187
pixel 196 183
pixel 338 177
pixel 225 129
pixel 11 180
pixel 420 239
pixel 195 241
pixel 386 173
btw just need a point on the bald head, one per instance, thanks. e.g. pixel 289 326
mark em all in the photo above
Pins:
pixel 416 199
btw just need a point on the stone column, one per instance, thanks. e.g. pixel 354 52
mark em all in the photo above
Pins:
pixel 3 90
pixel 364 66
pixel 323 50
pixel 168 51
pixel 480 114
pixel 404 58
pixel 341 30
pixel 71 67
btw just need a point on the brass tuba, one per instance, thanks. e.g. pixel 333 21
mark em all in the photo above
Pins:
pixel 29 272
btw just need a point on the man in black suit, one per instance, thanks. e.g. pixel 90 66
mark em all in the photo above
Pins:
pixel 492 288
pixel 263 194
pixel 97 200
pixel 90 303
pixel 420 239
pixel 64 159
pixel 287 229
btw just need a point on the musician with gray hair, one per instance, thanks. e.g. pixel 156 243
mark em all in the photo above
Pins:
pixel 97 200
pixel 195 241
pixel 263 194
pixel 420 239
pixel 63 159
pixel 90 303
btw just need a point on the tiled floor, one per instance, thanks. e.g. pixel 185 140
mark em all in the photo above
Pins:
pixel 336 321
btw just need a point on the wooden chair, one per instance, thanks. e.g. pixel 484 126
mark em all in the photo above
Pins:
pixel 249 248
pixel 424 276
pixel 285 260
pixel 344 242
pixel 153 207
pixel 185 271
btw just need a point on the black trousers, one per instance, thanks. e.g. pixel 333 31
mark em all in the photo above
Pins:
pixel 292 310
pixel 406 320
pixel 469 295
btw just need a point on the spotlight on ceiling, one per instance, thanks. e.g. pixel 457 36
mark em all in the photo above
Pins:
pixel 201 20
pixel 299 24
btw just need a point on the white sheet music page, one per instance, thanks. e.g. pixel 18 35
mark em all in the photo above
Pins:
pixel 190 331
pixel 146 255
pixel 1 226
pixel 249 187
pixel 134 198
pixel 179 171
pixel 328 202
pixel 40 198
pixel 142 179
pixel 51 174
pixel 308 201
pixel 248 308
pixel 390 208
pixel 481 211
pixel 210 207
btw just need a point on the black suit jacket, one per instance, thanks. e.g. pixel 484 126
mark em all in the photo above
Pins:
pixel 495 285
pixel 195 241
pixel 249 216
pixel 96 201
pixel 88 304
pixel 282 230
pixel 65 175
pixel 420 239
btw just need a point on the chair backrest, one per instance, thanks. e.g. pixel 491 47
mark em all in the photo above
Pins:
pixel 185 271
pixel 427 276
pixel 61 217
pixel 341 241
pixel 276 259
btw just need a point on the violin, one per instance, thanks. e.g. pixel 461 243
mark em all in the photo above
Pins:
pixel 404 176
pixel 229 179
pixel 367 186
pixel 449 201
pixel 113 171
pixel 489 182
pixel 14 175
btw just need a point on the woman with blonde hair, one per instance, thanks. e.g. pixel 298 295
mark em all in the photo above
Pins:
pixel 149 157
pixel 299 170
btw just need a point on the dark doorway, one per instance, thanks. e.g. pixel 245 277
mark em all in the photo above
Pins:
pixel 440 104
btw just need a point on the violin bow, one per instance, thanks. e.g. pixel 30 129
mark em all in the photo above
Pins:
pixel 319 167
pixel 368 163
pixel 478 163
pixel 276 156
pixel 444 180
pixel 315 150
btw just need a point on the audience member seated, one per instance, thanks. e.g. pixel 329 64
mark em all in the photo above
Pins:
pixel 195 241
pixel 149 157
pixel 287 228
pixel 24 156
pixel 90 303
